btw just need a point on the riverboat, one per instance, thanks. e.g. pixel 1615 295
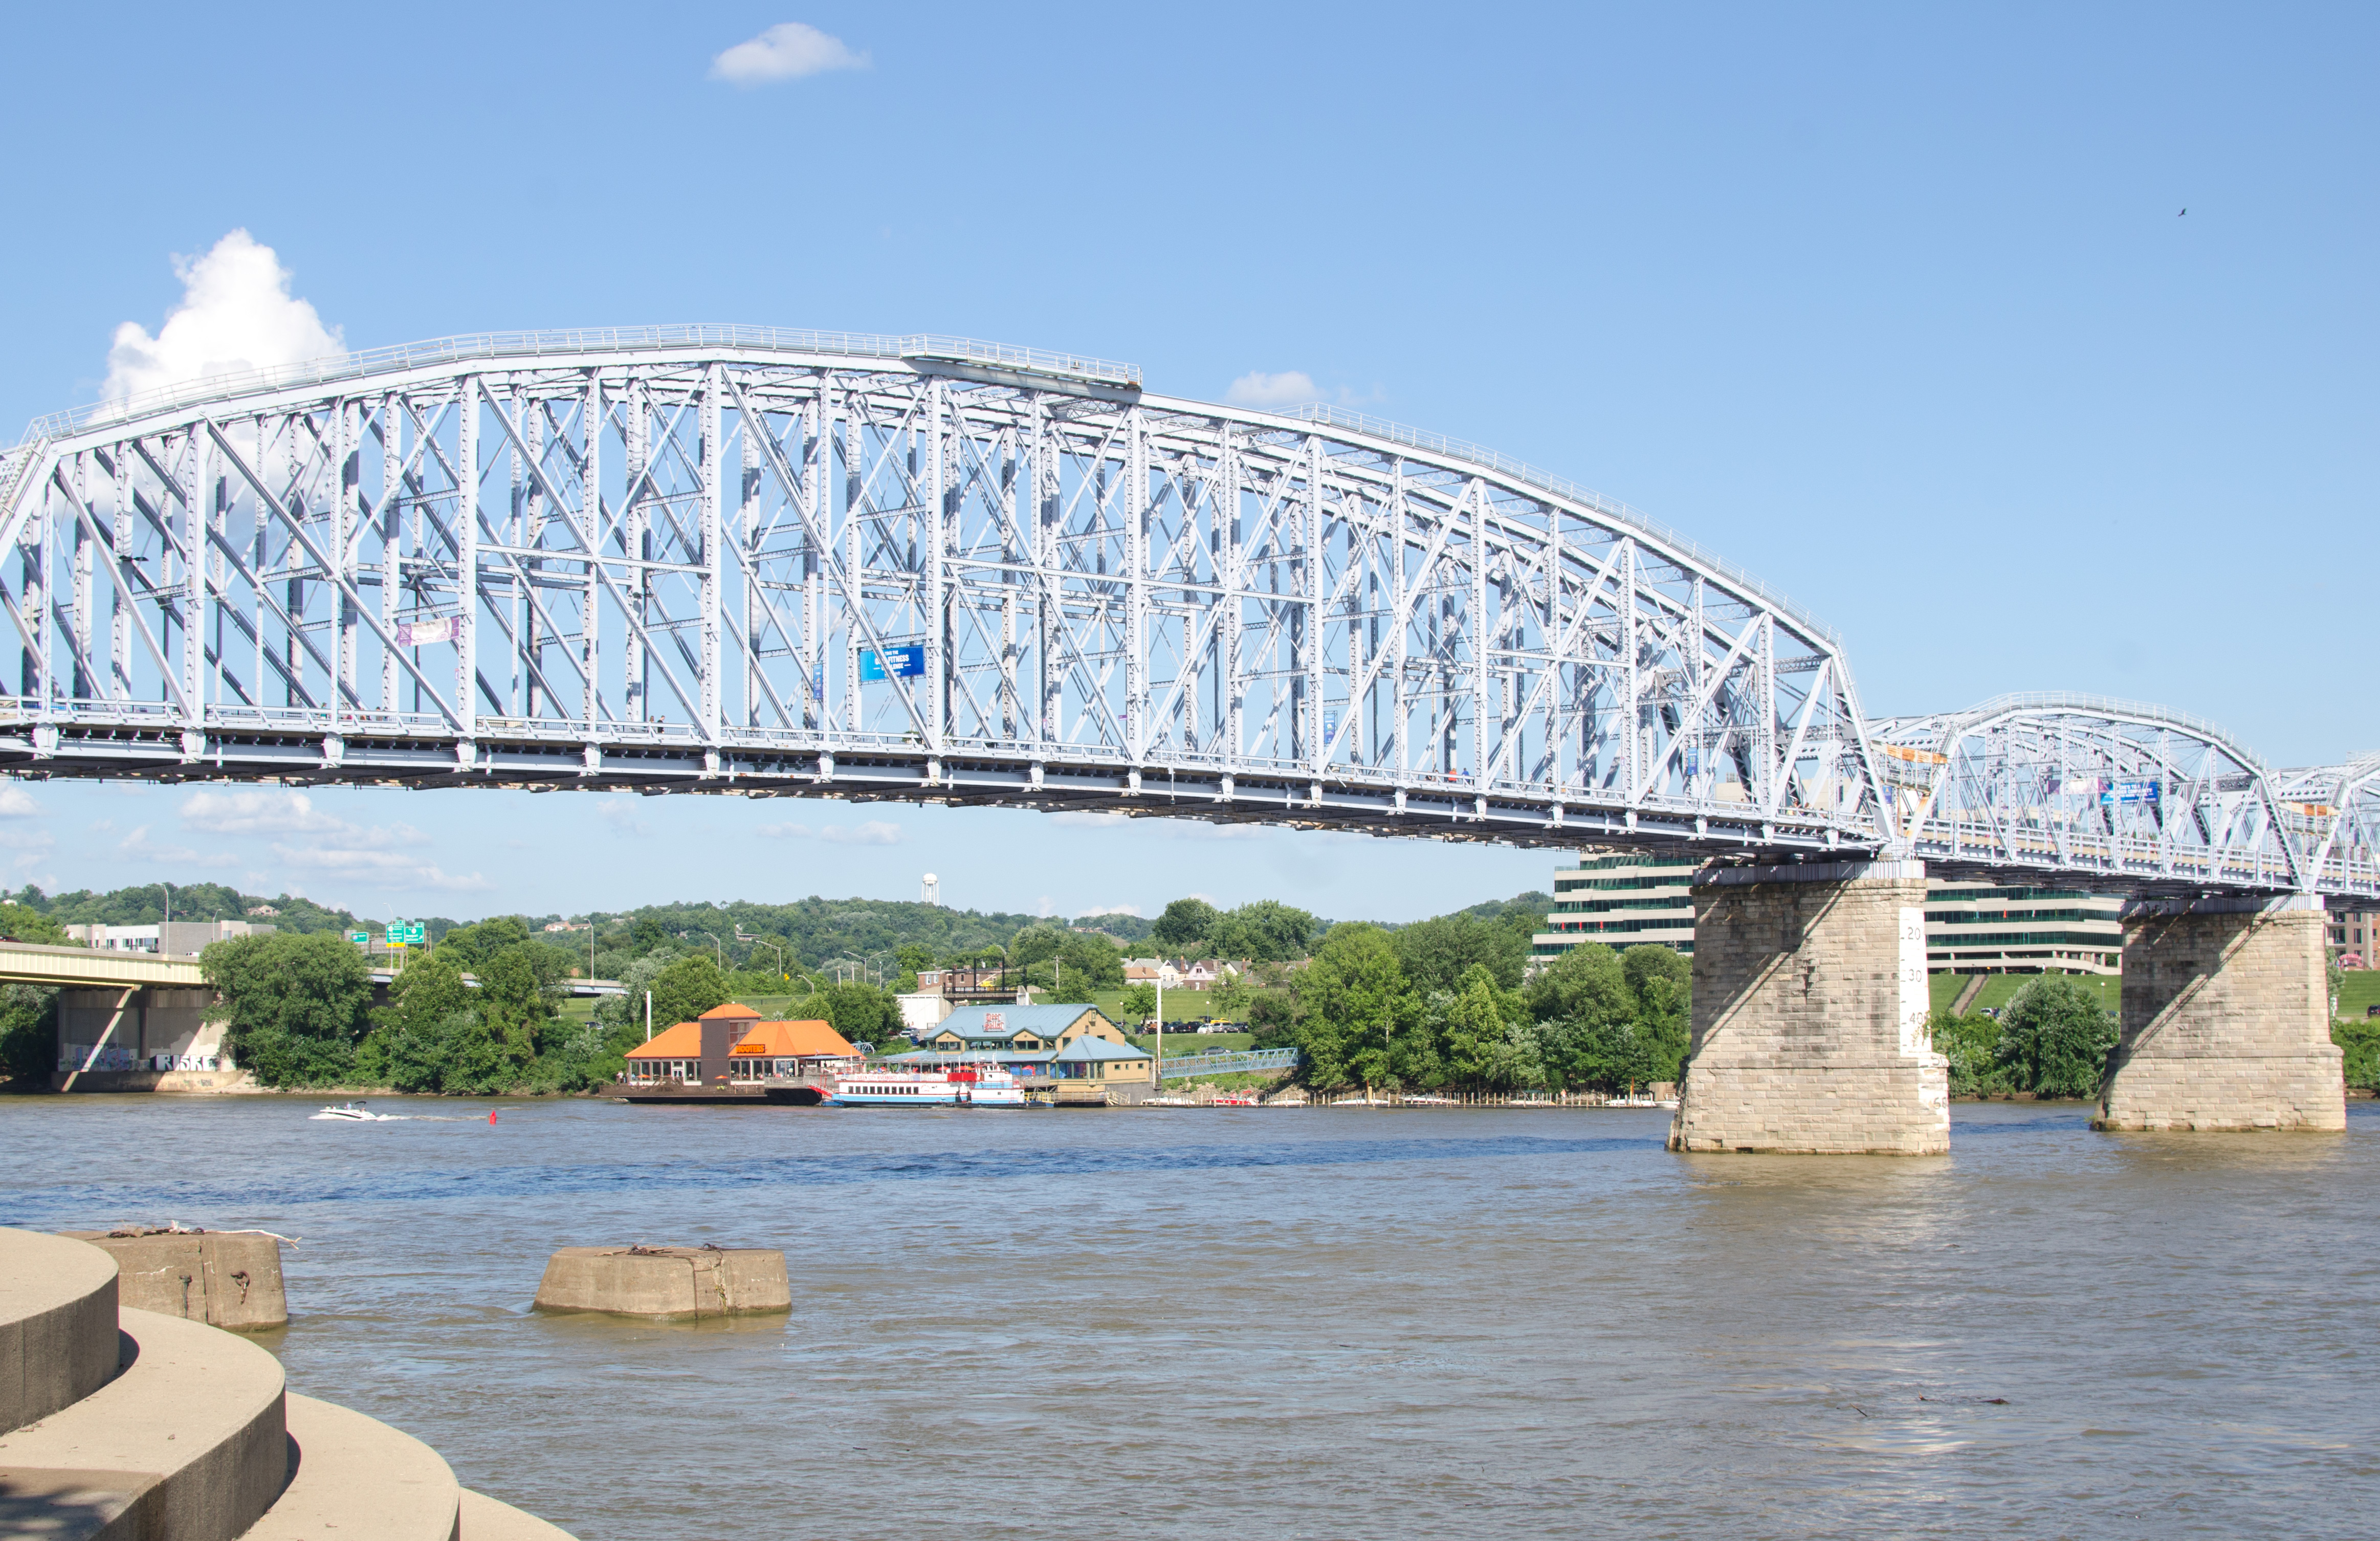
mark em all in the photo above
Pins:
pixel 960 1086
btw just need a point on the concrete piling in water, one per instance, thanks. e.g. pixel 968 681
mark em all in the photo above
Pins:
pixel 2226 1019
pixel 227 1278
pixel 666 1282
pixel 1809 1014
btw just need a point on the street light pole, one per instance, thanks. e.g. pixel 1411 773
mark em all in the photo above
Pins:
pixel 763 941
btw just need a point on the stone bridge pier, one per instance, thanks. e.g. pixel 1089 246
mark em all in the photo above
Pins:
pixel 2226 1019
pixel 1810 1013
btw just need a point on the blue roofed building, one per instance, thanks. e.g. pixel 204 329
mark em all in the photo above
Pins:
pixel 1097 1059
pixel 1063 1045
pixel 1020 1030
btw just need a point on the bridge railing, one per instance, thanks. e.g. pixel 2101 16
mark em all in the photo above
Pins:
pixel 575 340
pixel 1229 1063
pixel 2088 706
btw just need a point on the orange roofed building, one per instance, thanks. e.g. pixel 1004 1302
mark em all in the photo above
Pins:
pixel 730 1043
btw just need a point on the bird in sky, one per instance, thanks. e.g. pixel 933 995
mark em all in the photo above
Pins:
pixel 2184 212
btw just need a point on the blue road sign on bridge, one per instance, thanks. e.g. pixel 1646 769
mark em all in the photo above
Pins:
pixel 893 663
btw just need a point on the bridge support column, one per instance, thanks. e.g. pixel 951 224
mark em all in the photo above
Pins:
pixel 1809 1014
pixel 2226 1019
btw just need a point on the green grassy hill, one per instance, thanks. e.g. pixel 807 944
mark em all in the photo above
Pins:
pixel 1180 1044
pixel 2358 993
pixel 1181 1005
pixel 1998 987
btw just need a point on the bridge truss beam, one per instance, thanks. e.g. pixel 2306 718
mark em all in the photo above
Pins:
pixel 694 564
pixel 753 562
pixel 2123 795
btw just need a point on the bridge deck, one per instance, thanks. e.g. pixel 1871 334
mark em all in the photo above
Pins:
pixel 26 962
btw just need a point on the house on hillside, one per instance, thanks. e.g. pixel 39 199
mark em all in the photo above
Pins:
pixel 1178 973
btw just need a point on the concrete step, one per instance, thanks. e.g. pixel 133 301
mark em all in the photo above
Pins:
pixel 487 1519
pixel 57 1324
pixel 358 1478
pixel 186 1443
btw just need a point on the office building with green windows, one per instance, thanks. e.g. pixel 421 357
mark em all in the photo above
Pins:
pixel 1624 899
pixel 1620 899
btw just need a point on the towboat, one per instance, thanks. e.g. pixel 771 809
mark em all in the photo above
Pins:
pixel 354 1113
pixel 959 1086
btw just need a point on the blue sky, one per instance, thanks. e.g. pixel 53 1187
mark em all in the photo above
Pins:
pixel 1891 305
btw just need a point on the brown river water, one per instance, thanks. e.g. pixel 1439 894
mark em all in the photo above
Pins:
pixel 1309 1323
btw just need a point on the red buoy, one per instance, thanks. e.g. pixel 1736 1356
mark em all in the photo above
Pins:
pixel 492 1115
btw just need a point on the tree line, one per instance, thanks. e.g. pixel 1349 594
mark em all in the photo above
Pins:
pixel 475 1015
pixel 2051 1039
pixel 1444 1003
pixel 297 1008
pixel 1450 1004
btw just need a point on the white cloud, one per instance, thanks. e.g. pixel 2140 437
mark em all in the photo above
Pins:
pixel 267 812
pixel 873 832
pixel 138 846
pixel 1289 388
pixel 787 51
pixel 237 314
pixel 1200 829
pixel 348 859
pixel 619 809
pixel 1132 910
pixel 378 866
pixel 308 839
pixel 16 802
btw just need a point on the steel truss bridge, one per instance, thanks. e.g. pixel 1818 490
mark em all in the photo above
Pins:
pixel 758 563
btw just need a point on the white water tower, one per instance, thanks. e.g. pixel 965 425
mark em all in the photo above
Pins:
pixel 930 890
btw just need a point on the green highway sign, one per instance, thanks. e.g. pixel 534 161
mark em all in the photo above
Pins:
pixel 401 933
pixel 359 938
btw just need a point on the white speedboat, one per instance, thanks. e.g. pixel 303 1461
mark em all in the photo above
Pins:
pixel 354 1113
pixel 959 1086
